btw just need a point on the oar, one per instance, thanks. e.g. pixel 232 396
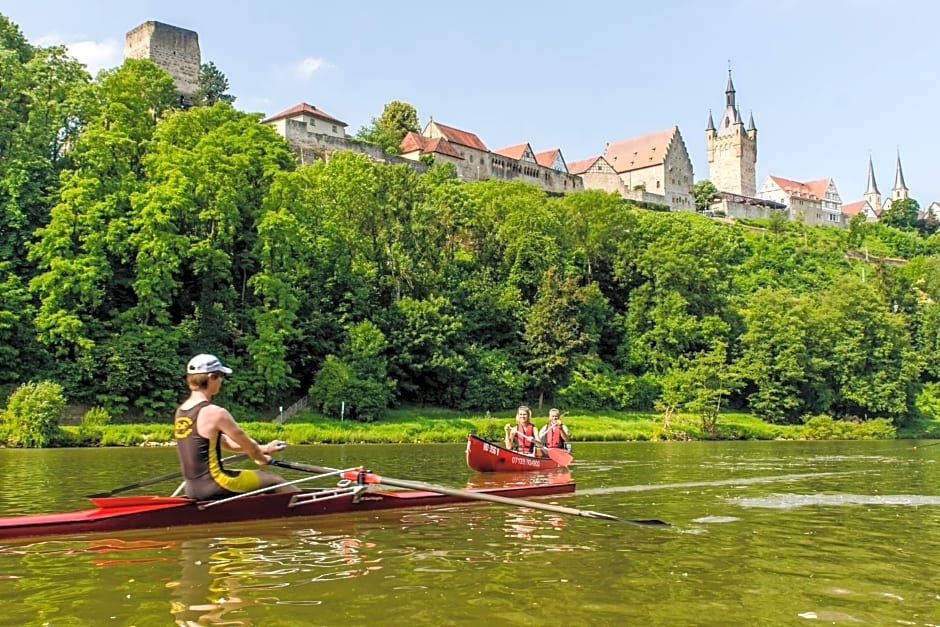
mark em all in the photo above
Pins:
pixel 466 494
pixel 557 455
pixel 161 478
pixel 926 445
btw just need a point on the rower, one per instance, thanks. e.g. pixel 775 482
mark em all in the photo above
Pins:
pixel 202 429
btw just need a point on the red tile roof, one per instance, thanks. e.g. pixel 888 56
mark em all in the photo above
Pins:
pixel 853 208
pixel 582 166
pixel 819 187
pixel 456 136
pixel 546 158
pixel 302 108
pixel 639 152
pixel 513 152
pixel 414 141
pixel 795 188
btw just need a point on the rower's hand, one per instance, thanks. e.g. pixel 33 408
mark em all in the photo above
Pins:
pixel 273 447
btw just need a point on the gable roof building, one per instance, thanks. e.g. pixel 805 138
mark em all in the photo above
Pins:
pixel 597 174
pixel 552 159
pixel 815 203
pixel 863 207
pixel 315 121
pixel 657 163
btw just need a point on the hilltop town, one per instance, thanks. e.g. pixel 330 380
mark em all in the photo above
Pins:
pixel 654 168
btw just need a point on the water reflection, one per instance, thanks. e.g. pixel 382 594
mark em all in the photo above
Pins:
pixel 221 577
pixel 501 479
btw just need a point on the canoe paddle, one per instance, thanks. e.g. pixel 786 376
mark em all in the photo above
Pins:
pixel 161 478
pixel 926 445
pixel 557 455
pixel 370 477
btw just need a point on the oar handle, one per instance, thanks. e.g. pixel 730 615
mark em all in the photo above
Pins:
pixel 160 479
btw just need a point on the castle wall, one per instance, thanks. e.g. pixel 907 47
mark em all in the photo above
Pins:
pixel 174 49
pixel 319 146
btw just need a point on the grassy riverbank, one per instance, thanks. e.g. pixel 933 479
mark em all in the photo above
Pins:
pixel 419 424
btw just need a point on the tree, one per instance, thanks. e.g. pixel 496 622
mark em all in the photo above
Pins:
pixel 387 131
pixel 423 348
pixel 699 384
pixel 901 214
pixel 872 365
pixel 357 379
pixel 553 332
pixel 213 86
pixel 704 191
pixel 777 357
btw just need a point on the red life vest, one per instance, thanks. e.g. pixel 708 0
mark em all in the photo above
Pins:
pixel 553 437
pixel 525 444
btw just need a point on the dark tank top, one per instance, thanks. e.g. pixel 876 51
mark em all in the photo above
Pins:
pixel 200 457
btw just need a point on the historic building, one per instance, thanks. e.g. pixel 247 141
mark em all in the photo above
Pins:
pixel 174 49
pixel 313 134
pixel 652 168
pixel 475 162
pixel 732 149
pixel 815 203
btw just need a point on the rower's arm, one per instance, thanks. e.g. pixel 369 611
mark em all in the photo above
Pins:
pixel 234 438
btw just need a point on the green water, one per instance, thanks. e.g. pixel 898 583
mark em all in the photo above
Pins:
pixel 765 533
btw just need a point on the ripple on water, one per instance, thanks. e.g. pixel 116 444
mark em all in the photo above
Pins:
pixel 792 501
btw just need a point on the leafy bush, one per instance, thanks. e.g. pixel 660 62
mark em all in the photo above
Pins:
pixel 31 417
pixel 90 430
pixel 826 428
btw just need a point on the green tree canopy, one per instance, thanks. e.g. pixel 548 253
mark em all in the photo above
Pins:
pixel 387 131
pixel 213 86
pixel 704 191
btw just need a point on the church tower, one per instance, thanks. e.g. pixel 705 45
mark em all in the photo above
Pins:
pixel 732 149
pixel 899 191
pixel 872 195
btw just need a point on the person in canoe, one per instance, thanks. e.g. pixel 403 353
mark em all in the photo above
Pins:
pixel 523 437
pixel 202 429
pixel 555 433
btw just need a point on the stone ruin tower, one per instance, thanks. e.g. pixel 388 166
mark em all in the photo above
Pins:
pixel 173 49
pixel 732 149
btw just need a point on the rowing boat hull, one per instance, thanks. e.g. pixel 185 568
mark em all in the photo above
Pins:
pixel 484 456
pixel 124 513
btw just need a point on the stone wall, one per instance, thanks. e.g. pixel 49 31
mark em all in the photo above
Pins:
pixel 318 147
pixel 174 49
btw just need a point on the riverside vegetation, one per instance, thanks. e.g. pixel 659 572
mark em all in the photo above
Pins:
pixel 134 234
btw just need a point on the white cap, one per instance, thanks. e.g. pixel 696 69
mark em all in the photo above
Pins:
pixel 204 364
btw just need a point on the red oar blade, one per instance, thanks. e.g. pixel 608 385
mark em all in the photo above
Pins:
pixel 560 456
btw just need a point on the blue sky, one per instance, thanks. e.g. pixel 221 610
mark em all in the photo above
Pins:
pixel 829 82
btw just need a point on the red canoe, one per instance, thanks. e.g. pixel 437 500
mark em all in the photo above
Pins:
pixel 124 513
pixel 484 456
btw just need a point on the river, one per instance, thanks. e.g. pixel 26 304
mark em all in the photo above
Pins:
pixel 763 533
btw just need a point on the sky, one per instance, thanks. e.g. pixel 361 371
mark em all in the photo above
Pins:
pixel 830 83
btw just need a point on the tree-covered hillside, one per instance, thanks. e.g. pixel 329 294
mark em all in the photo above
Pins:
pixel 134 234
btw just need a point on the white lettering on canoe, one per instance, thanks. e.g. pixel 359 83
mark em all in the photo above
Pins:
pixel 492 449
pixel 525 461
